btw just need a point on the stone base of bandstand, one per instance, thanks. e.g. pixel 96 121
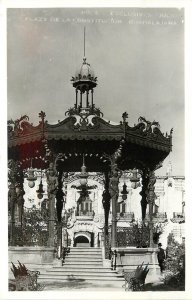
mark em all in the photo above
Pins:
pixel 34 258
pixel 129 258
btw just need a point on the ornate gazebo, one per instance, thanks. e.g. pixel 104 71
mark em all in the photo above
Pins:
pixel 59 149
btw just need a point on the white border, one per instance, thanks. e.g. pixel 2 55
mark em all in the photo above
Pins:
pixel 187 4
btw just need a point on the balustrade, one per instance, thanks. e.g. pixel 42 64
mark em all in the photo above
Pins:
pixel 157 217
pixel 128 216
pixel 178 217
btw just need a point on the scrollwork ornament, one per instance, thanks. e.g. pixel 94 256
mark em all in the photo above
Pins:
pixel 149 126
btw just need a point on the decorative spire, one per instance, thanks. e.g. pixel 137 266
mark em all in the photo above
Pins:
pixel 84 42
pixel 84 82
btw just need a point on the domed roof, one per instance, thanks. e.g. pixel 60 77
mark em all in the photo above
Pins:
pixel 85 71
pixel 84 78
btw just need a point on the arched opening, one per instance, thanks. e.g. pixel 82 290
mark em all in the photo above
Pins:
pixel 81 241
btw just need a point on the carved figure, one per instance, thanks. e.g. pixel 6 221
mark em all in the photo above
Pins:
pixel 151 187
pixel 148 126
pixel 114 185
pixel 52 181
pixel 125 116
pixel 42 115
pixel 18 124
pixel 152 181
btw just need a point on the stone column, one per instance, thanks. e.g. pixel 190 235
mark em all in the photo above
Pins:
pixel 12 198
pixel 81 95
pixel 59 207
pixel 52 184
pixel 151 199
pixel 92 98
pixel 106 205
pixel 143 193
pixel 76 104
pixel 87 100
pixel 16 202
pixel 114 192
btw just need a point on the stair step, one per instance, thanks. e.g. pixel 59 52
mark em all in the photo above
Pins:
pixel 83 259
pixel 84 255
pixel 80 272
pixel 85 250
pixel 86 268
pixel 80 266
pixel 78 262
pixel 87 278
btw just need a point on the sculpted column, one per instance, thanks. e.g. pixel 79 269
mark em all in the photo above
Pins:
pixel 76 103
pixel 52 184
pixel 59 206
pixel 143 193
pixel 81 95
pixel 87 98
pixel 15 202
pixel 106 205
pixel 151 199
pixel 114 192
pixel 12 198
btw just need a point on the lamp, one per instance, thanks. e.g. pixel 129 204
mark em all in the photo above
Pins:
pixel 135 178
pixel 40 191
pixel 124 191
pixel 31 177
pixel 83 176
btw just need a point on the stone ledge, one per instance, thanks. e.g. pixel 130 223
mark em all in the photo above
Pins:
pixel 133 250
pixel 29 255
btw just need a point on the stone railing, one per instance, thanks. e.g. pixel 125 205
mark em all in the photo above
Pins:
pixel 178 217
pixel 128 216
pixel 85 215
pixel 158 217
pixel 127 259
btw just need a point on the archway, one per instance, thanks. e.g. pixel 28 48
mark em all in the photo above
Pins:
pixel 82 241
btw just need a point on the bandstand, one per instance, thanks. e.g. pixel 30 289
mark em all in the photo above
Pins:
pixel 84 141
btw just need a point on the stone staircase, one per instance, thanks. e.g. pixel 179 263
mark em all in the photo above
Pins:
pixel 83 267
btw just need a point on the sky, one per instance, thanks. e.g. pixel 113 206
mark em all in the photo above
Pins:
pixel 136 53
